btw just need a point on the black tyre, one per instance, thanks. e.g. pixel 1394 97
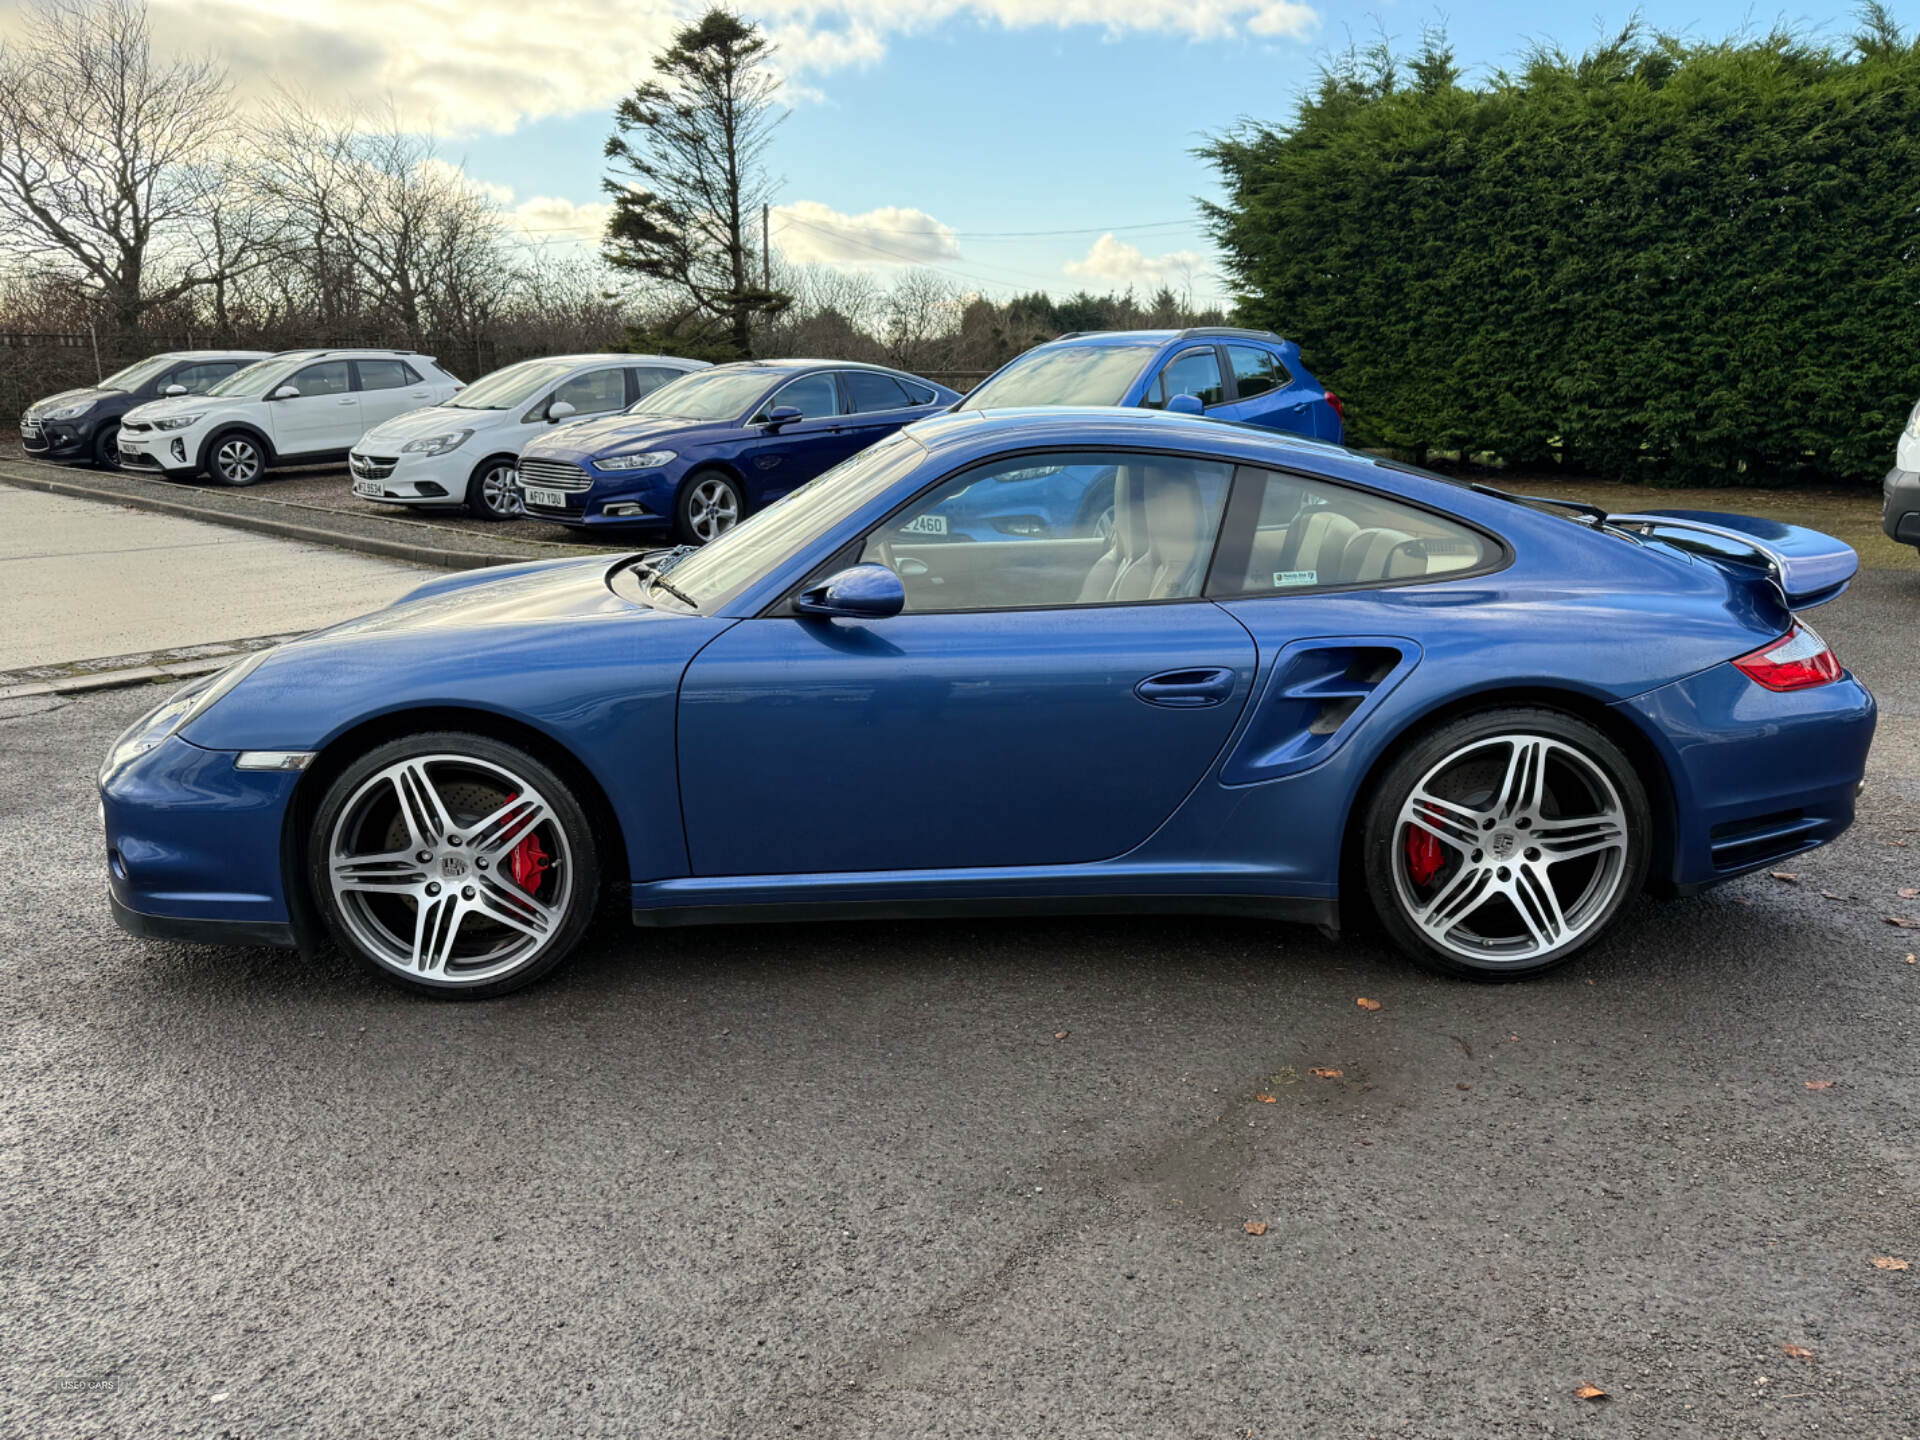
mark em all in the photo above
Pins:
pixel 106 447
pixel 235 458
pixel 1501 844
pixel 493 490
pixel 453 864
pixel 710 504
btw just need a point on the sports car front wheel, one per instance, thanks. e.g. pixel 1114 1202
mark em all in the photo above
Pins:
pixel 454 864
pixel 1501 844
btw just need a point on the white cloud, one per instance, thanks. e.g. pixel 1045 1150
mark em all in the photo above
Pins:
pixel 492 65
pixel 554 220
pixel 812 233
pixel 1116 263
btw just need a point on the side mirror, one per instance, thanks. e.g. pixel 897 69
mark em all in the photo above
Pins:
pixel 175 389
pixel 783 415
pixel 864 592
pixel 560 410
pixel 286 392
pixel 1185 405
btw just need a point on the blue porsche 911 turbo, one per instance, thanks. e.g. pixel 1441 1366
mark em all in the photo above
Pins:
pixel 1288 677
pixel 702 452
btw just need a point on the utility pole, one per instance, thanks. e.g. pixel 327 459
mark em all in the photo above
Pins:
pixel 766 255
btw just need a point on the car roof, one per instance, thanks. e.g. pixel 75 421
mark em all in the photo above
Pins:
pixel 1087 427
pixel 608 358
pixel 213 354
pixel 1164 337
pixel 784 365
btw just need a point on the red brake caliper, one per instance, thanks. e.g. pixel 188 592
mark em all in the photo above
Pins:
pixel 1424 855
pixel 528 860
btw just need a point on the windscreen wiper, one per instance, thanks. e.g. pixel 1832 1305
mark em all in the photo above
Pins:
pixel 1593 513
pixel 652 568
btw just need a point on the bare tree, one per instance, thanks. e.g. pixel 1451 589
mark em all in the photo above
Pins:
pixel 98 148
pixel 688 148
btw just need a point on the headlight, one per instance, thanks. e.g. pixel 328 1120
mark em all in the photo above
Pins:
pixel 437 444
pixel 177 711
pixel 180 422
pixel 645 460
pixel 67 412
pixel 1913 423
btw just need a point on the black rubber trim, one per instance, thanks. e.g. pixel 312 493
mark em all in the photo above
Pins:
pixel 277 934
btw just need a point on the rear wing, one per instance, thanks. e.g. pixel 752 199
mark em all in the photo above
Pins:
pixel 1806 566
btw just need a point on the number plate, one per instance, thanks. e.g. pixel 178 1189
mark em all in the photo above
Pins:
pixel 925 525
pixel 552 499
pixel 367 489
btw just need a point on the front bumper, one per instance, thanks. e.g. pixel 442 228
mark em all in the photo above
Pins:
pixel 1900 505
pixel 59 439
pixel 160 452
pixel 194 845
pixel 392 478
pixel 641 499
pixel 1757 775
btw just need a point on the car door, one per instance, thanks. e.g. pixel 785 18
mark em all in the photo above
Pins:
pixel 389 388
pixel 324 416
pixel 1266 392
pixel 1194 371
pixel 877 405
pixel 1042 700
pixel 776 462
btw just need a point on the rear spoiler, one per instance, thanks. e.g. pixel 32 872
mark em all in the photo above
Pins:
pixel 1806 566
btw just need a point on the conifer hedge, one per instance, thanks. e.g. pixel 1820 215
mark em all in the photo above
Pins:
pixel 1663 260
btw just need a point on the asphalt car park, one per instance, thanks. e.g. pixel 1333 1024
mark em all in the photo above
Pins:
pixel 975 1177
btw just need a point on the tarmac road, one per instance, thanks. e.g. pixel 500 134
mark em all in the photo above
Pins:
pixel 986 1179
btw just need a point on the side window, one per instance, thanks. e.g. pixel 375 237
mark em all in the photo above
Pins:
pixel 647 379
pixel 1288 534
pixel 1192 372
pixel 330 377
pixel 1057 530
pixel 816 397
pixel 595 393
pixel 202 377
pixel 1257 371
pixel 385 374
pixel 870 391
pixel 919 394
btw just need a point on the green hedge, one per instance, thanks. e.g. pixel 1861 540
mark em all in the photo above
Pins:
pixel 1677 262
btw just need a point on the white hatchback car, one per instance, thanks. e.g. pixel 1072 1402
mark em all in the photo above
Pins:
pixel 300 407
pixel 465 451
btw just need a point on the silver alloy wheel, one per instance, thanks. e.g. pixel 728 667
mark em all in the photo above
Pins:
pixel 1526 855
pixel 237 460
pixel 422 866
pixel 712 509
pixel 500 491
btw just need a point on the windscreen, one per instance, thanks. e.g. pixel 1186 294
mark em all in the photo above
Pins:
pixel 512 387
pixel 708 395
pixel 1069 375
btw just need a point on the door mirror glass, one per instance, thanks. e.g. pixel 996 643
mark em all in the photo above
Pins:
pixel 560 410
pixel 286 392
pixel 1185 405
pixel 783 415
pixel 175 389
pixel 863 592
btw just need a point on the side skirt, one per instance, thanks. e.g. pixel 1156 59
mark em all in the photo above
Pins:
pixel 1322 913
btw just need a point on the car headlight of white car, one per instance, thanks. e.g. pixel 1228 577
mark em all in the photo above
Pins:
pixel 67 412
pixel 180 422
pixel 645 460
pixel 437 444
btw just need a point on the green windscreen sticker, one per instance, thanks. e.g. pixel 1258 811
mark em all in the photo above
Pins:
pixel 1296 577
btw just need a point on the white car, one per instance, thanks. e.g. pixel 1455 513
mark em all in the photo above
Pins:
pixel 465 451
pixel 300 407
pixel 1900 510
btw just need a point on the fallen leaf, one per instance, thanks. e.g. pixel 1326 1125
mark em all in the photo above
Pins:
pixel 1889 1262
pixel 1463 1085
pixel 1366 1004
pixel 1741 900
pixel 1907 892
pixel 1820 1084
pixel 1911 959
pixel 1326 1074
pixel 1061 1034
pixel 1786 875
pixel 1590 1392
pixel 1255 1227
pixel 1266 1099
pixel 1798 1352
pixel 1903 922
pixel 1898 844
pixel 1828 894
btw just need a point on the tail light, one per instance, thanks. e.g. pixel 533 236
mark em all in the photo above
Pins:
pixel 1798 660
pixel 1339 407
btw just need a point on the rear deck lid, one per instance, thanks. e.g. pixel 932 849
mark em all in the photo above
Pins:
pixel 1808 567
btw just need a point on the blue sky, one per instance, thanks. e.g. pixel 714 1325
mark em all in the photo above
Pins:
pixel 916 133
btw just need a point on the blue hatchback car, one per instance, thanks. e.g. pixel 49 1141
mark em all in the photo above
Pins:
pixel 703 452
pixel 1290 676
pixel 1252 376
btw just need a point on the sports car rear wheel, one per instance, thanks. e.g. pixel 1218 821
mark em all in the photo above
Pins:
pixel 453 864
pixel 1501 844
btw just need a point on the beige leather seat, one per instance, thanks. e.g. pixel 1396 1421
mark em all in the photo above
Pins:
pixel 1322 547
pixel 1127 547
pixel 1378 554
pixel 1160 537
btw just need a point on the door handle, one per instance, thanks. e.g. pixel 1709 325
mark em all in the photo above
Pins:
pixel 348 401
pixel 1186 689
